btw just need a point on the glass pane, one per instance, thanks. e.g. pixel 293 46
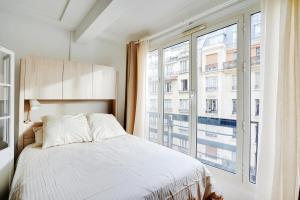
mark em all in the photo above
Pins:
pixel 255 91
pixel 217 98
pixel 152 95
pixel 4 68
pixel 4 101
pixel 176 97
pixel 4 131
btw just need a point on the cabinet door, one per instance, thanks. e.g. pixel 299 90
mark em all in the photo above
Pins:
pixel 43 78
pixel 104 82
pixel 77 80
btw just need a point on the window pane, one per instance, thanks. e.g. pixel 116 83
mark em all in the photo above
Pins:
pixel 4 68
pixel 4 131
pixel 255 91
pixel 217 98
pixel 4 101
pixel 176 97
pixel 152 95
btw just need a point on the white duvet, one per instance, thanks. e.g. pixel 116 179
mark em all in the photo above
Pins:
pixel 123 167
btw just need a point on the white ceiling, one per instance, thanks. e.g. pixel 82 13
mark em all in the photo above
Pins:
pixel 49 11
pixel 132 19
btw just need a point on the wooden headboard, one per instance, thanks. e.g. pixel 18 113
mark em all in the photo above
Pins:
pixel 62 87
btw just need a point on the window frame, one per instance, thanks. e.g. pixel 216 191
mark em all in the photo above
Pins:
pixel 243 131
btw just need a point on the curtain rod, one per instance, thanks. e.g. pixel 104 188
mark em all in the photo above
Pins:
pixel 189 22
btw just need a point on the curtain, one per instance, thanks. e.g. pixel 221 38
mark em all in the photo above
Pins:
pixel 139 122
pixel 279 143
pixel 136 87
pixel 131 86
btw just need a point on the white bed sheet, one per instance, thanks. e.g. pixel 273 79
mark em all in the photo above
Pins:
pixel 123 167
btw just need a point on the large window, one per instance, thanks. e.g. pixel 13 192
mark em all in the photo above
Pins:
pixel 176 106
pixel 254 91
pixel 152 96
pixel 203 106
pixel 213 115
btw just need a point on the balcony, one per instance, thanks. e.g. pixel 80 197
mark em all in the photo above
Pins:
pixel 255 60
pixel 211 67
pixel 229 64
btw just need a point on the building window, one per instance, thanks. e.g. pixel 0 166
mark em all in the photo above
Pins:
pixel 168 105
pixel 183 105
pixel 234 106
pixel 170 69
pixel 168 86
pixel 211 83
pixel 184 85
pixel 234 82
pixel 211 105
pixel 183 66
pixel 256 107
pixel 211 62
pixel 257 80
pixel 258 51
pixel 211 152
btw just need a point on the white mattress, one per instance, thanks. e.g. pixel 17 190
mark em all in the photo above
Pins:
pixel 124 167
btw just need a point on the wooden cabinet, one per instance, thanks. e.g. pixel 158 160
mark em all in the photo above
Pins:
pixel 43 78
pixel 77 80
pixel 66 80
pixel 104 82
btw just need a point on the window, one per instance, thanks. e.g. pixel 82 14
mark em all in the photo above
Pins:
pixel 176 106
pixel 211 62
pixel 255 24
pixel 257 80
pixel 211 83
pixel 256 107
pixel 183 66
pixel 168 105
pixel 184 105
pixel 184 85
pixel 211 152
pixel 234 106
pixel 221 122
pixel 168 86
pixel 257 51
pixel 234 82
pixel 210 125
pixel 211 105
pixel 152 95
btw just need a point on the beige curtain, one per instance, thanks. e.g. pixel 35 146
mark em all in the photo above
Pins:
pixel 131 86
pixel 139 123
pixel 279 145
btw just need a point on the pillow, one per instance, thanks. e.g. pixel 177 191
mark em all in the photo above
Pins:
pixel 104 126
pixel 38 135
pixel 59 130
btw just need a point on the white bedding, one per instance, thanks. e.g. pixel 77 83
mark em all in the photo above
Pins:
pixel 123 167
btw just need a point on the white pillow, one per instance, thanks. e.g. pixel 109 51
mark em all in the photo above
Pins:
pixel 38 135
pixel 59 130
pixel 104 126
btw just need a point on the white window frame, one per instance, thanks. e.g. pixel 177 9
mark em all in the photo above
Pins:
pixel 243 133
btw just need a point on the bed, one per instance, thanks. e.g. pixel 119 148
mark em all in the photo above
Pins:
pixel 124 167
pixel 103 163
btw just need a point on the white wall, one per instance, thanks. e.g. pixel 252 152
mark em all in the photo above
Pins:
pixel 26 36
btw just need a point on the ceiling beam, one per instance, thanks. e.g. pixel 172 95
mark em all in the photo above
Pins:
pixel 83 30
pixel 101 16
